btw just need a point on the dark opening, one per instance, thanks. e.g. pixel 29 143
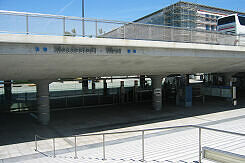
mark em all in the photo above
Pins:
pixel 226 20
pixel 241 20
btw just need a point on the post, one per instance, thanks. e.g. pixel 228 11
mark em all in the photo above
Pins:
pixel 200 146
pixel 75 147
pixel 83 19
pixel 157 92
pixel 64 26
pixel 27 25
pixel 122 92
pixel 35 142
pixel 142 81
pixel 124 31
pixel 85 84
pixel 143 146
pixel 234 99
pixel 96 28
pixel 105 87
pixel 54 145
pixel 103 146
pixel 8 91
pixel 135 93
pixel 172 34
pixel 93 86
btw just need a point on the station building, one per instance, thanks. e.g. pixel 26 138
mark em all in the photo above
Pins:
pixel 187 15
pixel 176 88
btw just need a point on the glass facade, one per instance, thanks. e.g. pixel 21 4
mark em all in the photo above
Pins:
pixel 157 19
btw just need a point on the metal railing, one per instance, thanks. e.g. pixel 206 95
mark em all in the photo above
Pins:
pixel 200 128
pixel 34 23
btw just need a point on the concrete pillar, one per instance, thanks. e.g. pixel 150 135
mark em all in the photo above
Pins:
pixel 187 79
pixel 93 86
pixel 157 92
pixel 228 82
pixel 8 91
pixel 105 87
pixel 142 81
pixel 204 78
pixel 85 84
pixel 122 93
pixel 43 106
pixel 234 98
pixel 135 94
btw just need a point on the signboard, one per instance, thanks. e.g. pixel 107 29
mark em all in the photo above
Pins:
pixel 110 50
pixel 75 50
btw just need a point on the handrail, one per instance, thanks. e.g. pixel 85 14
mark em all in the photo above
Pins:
pixel 103 134
pixel 152 129
pixel 6 12
pixel 99 28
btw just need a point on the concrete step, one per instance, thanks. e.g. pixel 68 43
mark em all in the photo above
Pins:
pixel 97 160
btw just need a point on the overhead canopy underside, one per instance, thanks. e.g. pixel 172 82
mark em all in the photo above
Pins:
pixel 51 57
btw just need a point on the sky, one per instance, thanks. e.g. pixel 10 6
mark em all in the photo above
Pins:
pixel 126 10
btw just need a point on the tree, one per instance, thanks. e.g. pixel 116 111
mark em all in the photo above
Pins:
pixel 73 33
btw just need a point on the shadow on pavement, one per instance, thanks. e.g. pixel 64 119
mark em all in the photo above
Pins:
pixel 19 128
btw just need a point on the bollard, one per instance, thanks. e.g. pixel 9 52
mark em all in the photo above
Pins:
pixel 54 146
pixel 200 146
pixel 35 142
pixel 75 147
pixel 103 146
pixel 143 146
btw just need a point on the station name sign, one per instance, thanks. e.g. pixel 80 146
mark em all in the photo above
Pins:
pixel 110 50
pixel 75 50
pixel 86 50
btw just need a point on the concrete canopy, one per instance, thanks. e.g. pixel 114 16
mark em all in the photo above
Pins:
pixel 35 57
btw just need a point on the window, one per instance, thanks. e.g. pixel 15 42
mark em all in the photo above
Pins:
pixel 207 27
pixel 226 20
pixel 241 20
pixel 207 17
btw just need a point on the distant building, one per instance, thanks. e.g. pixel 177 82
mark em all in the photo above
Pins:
pixel 187 15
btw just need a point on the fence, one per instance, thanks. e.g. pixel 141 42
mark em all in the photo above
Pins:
pixel 142 135
pixel 33 23
pixel 26 101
